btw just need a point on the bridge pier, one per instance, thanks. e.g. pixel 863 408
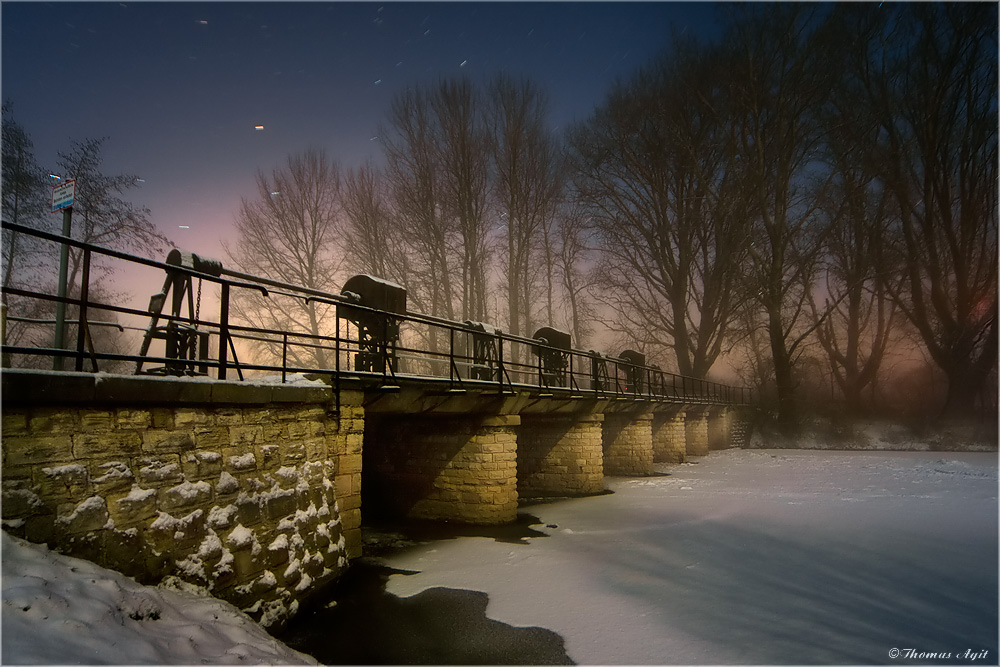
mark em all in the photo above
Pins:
pixel 669 435
pixel 560 455
pixel 442 467
pixel 696 430
pixel 719 427
pixel 628 443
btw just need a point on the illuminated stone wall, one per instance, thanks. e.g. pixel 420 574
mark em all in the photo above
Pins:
pixel 444 467
pixel 628 443
pixel 669 436
pixel 560 455
pixel 696 427
pixel 253 492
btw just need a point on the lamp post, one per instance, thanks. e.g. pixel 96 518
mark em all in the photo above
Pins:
pixel 62 199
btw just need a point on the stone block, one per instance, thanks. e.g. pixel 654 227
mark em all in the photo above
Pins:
pixel 350 519
pixel 168 533
pixel 162 418
pixel 157 441
pixel 35 449
pixel 128 418
pixel 350 463
pixel 249 510
pixel 53 421
pixel 293 452
pixel 238 461
pixel 201 464
pixel 344 485
pixel 352 502
pixel 133 508
pixel 354 443
pixel 20 499
pixel 96 420
pixel 40 528
pixel 315 448
pixel 65 481
pixel 158 470
pixel 282 504
pixel 227 416
pixel 226 485
pixel 246 438
pixel 189 417
pixel 14 423
pixel 111 476
pixel 211 437
pixel 185 495
pixel 268 455
pixel 115 444
pixel 87 515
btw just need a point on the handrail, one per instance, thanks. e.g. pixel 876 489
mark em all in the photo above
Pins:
pixel 575 375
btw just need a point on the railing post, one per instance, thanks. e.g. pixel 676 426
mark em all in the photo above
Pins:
pixel 224 331
pixel 500 368
pixel 284 356
pixel 57 363
pixel 5 360
pixel 81 327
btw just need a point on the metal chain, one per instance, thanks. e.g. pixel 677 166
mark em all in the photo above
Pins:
pixel 197 307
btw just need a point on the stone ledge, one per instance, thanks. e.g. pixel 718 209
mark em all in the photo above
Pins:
pixel 36 387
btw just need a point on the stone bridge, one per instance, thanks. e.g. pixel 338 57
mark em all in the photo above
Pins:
pixel 256 491
pixel 256 488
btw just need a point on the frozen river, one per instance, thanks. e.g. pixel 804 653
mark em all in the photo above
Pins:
pixel 740 557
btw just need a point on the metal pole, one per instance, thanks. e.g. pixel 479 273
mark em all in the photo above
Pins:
pixel 5 358
pixel 57 362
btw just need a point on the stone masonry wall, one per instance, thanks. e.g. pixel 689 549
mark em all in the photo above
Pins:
pixel 719 423
pixel 628 443
pixel 740 427
pixel 560 455
pixel 443 467
pixel 696 426
pixel 258 503
pixel 669 436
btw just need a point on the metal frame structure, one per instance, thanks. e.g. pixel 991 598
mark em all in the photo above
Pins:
pixel 426 349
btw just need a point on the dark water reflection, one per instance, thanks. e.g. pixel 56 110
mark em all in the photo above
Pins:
pixel 361 624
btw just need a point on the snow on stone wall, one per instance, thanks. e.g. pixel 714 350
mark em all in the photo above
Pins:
pixel 259 504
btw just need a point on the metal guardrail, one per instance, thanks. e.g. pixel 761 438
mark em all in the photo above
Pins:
pixel 419 348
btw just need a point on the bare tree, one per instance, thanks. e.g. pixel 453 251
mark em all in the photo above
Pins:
pixel 654 168
pixel 100 213
pixel 463 149
pixel 858 317
pixel 928 76
pixel 410 137
pixel 373 233
pixel 290 232
pixel 780 81
pixel 575 253
pixel 24 195
pixel 527 189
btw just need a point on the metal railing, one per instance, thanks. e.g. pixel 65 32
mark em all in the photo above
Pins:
pixel 389 350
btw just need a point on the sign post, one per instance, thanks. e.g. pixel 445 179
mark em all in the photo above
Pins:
pixel 62 200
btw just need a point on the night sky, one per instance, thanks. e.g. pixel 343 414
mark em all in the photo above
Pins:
pixel 179 87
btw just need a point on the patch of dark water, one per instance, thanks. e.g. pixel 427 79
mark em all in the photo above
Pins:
pixel 380 538
pixel 365 625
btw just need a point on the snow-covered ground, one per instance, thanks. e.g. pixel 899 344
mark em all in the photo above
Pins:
pixel 751 557
pixel 741 557
pixel 59 610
